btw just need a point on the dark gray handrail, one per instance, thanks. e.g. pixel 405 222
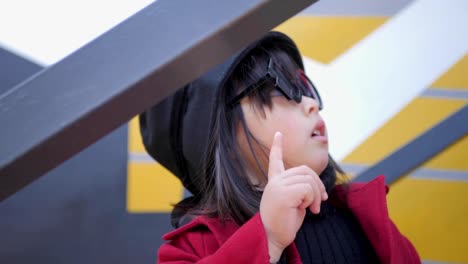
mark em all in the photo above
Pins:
pixel 70 105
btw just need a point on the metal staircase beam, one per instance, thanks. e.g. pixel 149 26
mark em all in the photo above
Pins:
pixel 73 103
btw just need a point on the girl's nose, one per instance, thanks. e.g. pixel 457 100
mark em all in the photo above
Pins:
pixel 309 105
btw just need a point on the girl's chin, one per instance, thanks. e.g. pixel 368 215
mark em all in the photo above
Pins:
pixel 319 164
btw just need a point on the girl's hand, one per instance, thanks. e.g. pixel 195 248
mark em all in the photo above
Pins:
pixel 285 198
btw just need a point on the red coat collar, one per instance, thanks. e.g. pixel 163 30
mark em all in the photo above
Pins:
pixel 368 203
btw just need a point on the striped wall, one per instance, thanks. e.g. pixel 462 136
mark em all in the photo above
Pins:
pixel 429 206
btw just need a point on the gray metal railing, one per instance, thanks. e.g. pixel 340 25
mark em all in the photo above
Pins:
pixel 73 103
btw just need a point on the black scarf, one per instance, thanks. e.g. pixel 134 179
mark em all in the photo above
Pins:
pixel 332 236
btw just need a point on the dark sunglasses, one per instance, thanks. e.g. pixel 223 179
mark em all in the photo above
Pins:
pixel 291 89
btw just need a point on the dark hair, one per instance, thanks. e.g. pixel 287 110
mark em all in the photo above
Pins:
pixel 226 191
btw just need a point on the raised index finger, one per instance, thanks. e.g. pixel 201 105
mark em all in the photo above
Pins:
pixel 276 165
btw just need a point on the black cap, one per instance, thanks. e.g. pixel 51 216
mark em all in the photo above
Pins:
pixel 175 132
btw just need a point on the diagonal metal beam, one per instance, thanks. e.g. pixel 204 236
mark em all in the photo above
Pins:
pixel 424 147
pixel 73 103
pixel 14 69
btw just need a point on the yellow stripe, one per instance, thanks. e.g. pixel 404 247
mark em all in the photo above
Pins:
pixel 417 117
pixel 325 38
pixel 456 77
pixel 151 188
pixel 135 143
pixel 432 214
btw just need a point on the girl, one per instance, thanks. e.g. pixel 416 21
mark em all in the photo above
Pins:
pixel 248 141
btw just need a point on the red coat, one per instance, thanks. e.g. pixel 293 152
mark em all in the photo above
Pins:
pixel 206 240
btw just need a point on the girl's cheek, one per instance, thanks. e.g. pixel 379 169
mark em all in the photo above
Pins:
pixel 289 126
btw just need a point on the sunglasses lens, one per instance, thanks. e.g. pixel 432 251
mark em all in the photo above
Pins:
pixel 304 86
pixel 307 88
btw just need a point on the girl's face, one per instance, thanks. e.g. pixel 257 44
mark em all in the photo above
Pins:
pixel 305 140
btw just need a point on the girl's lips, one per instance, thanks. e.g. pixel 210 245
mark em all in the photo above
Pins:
pixel 323 139
pixel 318 133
